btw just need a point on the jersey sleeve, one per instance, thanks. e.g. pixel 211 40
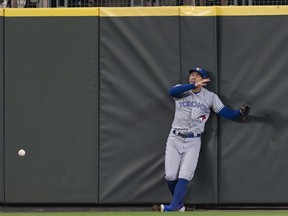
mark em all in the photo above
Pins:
pixel 216 103
pixel 228 113
pixel 179 91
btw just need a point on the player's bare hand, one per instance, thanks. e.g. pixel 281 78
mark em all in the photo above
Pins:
pixel 203 82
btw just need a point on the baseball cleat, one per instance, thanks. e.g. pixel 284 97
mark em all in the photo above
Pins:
pixel 168 208
pixel 180 208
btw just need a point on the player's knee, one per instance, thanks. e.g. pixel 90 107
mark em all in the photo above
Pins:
pixel 171 176
pixel 186 176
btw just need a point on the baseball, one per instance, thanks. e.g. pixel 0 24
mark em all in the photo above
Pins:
pixel 21 152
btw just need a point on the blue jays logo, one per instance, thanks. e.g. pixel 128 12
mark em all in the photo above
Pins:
pixel 202 118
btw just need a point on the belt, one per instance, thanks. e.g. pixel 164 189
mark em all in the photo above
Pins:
pixel 186 135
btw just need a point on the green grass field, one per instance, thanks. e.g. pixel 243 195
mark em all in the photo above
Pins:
pixel 191 213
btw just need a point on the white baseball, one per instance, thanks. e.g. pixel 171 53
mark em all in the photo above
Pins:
pixel 21 152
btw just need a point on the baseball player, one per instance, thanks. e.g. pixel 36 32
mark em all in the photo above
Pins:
pixel 192 109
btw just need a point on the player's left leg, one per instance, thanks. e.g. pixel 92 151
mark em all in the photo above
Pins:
pixel 189 159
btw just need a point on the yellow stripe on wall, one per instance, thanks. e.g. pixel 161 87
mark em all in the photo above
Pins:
pixel 197 11
pixel 147 11
pixel 50 12
pixel 252 10
pixel 234 11
pixel 139 11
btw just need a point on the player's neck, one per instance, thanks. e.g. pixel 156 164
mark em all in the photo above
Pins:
pixel 197 90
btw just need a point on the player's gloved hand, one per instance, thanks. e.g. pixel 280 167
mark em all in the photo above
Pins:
pixel 244 110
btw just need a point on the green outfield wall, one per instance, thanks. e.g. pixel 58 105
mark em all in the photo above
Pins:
pixel 51 100
pixel 85 92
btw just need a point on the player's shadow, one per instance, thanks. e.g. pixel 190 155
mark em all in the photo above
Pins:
pixel 274 120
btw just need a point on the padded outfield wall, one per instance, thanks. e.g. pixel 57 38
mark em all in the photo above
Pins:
pixel 86 95
pixel 51 100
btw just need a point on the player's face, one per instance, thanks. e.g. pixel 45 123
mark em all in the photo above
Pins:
pixel 195 77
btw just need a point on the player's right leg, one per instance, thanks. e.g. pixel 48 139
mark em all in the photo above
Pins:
pixel 172 160
pixel 172 164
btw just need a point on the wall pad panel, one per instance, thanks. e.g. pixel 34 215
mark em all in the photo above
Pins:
pixel 51 101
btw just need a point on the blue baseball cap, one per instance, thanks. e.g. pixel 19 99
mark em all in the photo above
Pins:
pixel 201 71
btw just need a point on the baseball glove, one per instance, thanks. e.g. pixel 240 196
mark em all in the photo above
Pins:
pixel 244 110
